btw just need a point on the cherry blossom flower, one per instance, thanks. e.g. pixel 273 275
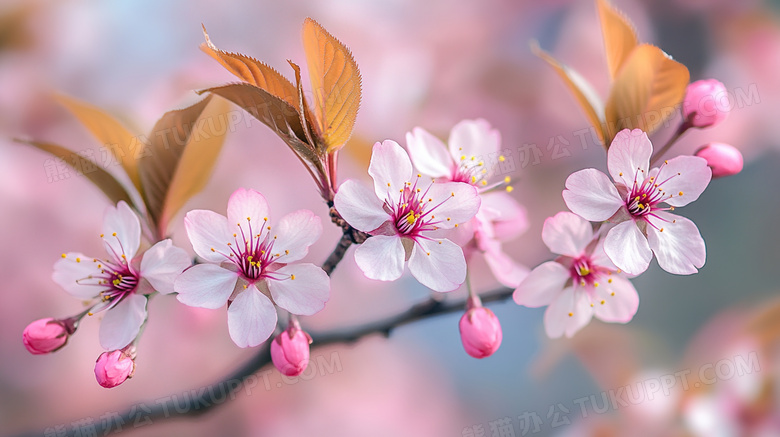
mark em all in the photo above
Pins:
pixel 638 205
pixel 579 284
pixel 500 217
pixel 123 280
pixel 251 266
pixel 402 215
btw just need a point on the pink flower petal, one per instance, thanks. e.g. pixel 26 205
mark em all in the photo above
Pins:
pixel 591 195
pixel 457 203
pixel 509 219
pixel 688 175
pixel 121 231
pixel 251 318
pixel 567 234
pixel 121 323
pixel 679 248
pixel 429 154
pixel 542 285
pixel 162 264
pixel 474 138
pixel 628 155
pixel 599 256
pixel 390 168
pixel 381 257
pixel 628 249
pixel 245 203
pixel 71 271
pixel 508 272
pixel 360 207
pixel 620 300
pixel 567 314
pixel 438 264
pixel 208 230
pixel 295 233
pixel 205 286
pixel 306 294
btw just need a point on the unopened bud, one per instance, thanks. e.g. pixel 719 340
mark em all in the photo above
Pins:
pixel 706 103
pixel 723 159
pixel 480 330
pixel 113 368
pixel 290 350
pixel 45 335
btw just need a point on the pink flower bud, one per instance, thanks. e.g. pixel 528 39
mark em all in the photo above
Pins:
pixel 706 103
pixel 725 160
pixel 44 336
pixel 480 332
pixel 113 368
pixel 290 351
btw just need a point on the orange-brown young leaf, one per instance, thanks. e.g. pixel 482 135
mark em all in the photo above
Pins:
pixel 647 90
pixel 619 36
pixel 336 84
pixel 101 178
pixel 252 71
pixel 125 147
pixel 580 88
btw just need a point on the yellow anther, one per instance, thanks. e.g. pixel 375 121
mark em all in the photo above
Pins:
pixel 78 260
pixel 292 277
pixel 662 229
pixel 212 249
pixel 584 271
pixel 571 314
pixel 249 219
pixel 582 283
pixel 101 235
pixel 666 162
pixel 612 294
pixel 507 179
pixel 388 184
pixel 249 258
pixel 509 189
pixel 286 252
pixel 448 219
pixel 418 190
pixel 591 305
pixel 456 225
pixel 268 227
pixel 419 175
pixel 235 235
pixel 64 255
pixel 484 183
pixel 620 174
pixel 609 280
pixel 428 253
pixel 595 284
pixel 453 194
pixel 439 242
pixel 501 158
pixel 473 179
pixel 602 302
pixel 114 234
pixel 462 157
pixel 680 193
pixel 90 314
pixel 245 286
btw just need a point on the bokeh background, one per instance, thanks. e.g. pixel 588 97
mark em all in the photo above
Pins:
pixel 426 64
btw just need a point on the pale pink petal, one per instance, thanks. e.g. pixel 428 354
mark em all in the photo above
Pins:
pixel 508 272
pixel 567 234
pixel 208 230
pixel 73 273
pixel 509 218
pixel 429 154
pixel 616 300
pixel 438 264
pixel 381 257
pixel 243 204
pixel 542 285
pixel 474 138
pixel 121 231
pixel 628 156
pixel 121 323
pixel 591 195
pixel 162 264
pixel 390 168
pixel 455 203
pixel 679 248
pixel 567 314
pixel 359 206
pixel 251 318
pixel 628 249
pixel 688 175
pixel 205 286
pixel 294 234
pixel 304 289
pixel 599 257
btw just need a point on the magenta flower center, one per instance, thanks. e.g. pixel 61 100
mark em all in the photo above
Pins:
pixel 252 250
pixel 414 211
pixel 471 171
pixel 584 272
pixel 116 277
pixel 642 199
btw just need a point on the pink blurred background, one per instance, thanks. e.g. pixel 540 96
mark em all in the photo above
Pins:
pixel 426 64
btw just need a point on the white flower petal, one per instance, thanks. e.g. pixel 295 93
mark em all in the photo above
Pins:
pixel 679 248
pixel 162 264
pixel 688 175
pixel 121 231
pixel 451 203
pixel 508 272
pixel 429 154
pixel 245 203
pixel 72 274
pixel 628 156
pixel 474 138
pixel 438 264
pixel 381 257
pixel 121 323
pixel 567 314
pixel 208 230
pixel 628 249
pixel 205 286
pixel 359 206
pixel 294 234
pixel 390 168
pixel 619 297
pixel 304 291
pixel 542 285
pixel 567 234
pixel 591 195
pixel 251 318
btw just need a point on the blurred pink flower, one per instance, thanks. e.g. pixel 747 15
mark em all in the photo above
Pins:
pixel 121 282
pixel 290 350
pixel 401 214
pixel 723 159
pixel 580 283
pixel 706 103
pixel 113 368
pixel 248 265
pixel 44 336
pixel 633 204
